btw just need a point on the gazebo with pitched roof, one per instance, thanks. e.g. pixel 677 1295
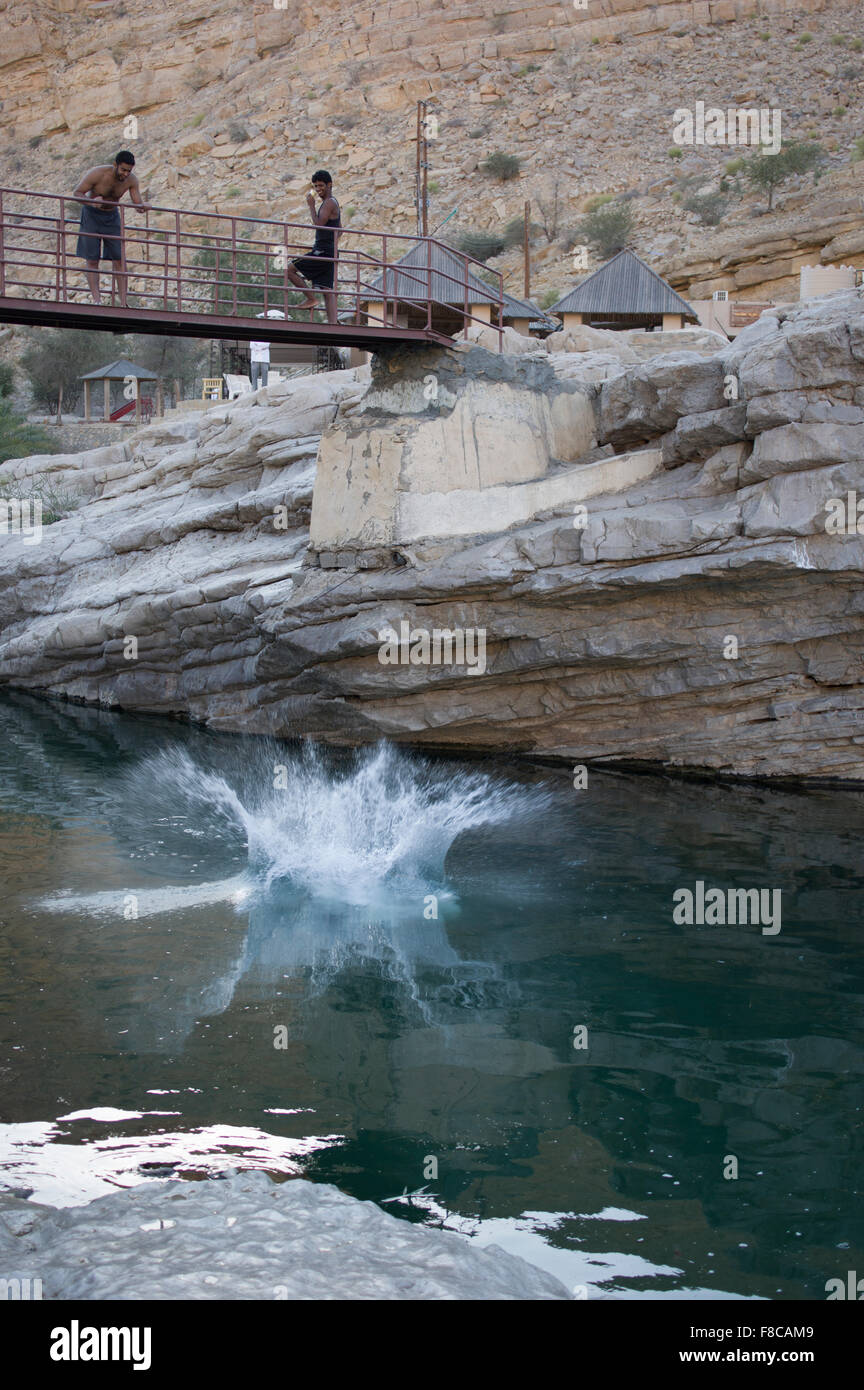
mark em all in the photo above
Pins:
pixel 121 370
pixel 409 283
pixel 624 293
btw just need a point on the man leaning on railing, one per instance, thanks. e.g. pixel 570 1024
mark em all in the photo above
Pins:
pixel 100 234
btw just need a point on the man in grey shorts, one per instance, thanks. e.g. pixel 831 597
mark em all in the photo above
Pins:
pixel 100 238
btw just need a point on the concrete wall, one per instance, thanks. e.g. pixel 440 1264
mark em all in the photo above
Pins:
pixel 824 279
pixel 452 443
pixel 471 511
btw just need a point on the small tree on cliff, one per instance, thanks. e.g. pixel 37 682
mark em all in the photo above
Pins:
pixel 767 171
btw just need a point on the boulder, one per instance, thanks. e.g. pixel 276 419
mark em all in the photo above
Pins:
pixel 794 447
pixel 645 402
pixel 696 436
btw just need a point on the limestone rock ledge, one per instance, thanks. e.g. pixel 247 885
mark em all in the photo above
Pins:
pixel 244 1236
pixel 700 615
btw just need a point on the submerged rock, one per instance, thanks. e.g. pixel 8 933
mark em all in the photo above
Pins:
pixel 248 1237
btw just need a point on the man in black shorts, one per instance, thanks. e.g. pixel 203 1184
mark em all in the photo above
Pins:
pixel 100 191
pixel 320 272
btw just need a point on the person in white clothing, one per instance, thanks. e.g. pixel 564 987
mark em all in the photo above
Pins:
pixel 259 353
pixel 260 362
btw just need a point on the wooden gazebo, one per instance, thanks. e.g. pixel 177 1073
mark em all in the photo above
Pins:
pixel 623 293
pixel 121 370
pixel 441 272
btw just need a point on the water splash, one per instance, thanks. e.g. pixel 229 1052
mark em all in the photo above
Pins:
pixel 384 821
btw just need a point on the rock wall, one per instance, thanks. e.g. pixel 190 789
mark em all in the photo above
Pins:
pixel 707 617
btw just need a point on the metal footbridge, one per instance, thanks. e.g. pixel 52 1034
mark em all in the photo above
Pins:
pixel 213 275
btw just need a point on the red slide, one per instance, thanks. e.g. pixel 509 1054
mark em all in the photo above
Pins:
pixel 146 408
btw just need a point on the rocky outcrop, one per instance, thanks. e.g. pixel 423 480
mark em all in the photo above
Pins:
pixel 704 616
pixel 243 1236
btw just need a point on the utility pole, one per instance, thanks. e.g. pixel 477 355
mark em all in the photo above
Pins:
pixel 422 171
pixel 527 250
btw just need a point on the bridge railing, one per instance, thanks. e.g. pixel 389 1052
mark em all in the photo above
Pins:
pixel 231 267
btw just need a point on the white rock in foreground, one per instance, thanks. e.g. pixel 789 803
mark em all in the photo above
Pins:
pixel 247 1237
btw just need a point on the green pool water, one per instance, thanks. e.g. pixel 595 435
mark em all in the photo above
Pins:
pixel 456 989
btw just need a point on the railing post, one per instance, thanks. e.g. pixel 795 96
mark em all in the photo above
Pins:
pixel 285 281
pixel 124 263
pixel 179 262
pixel 58 234
pixel 2 250
pixel 266 272
pixel 428 284
pixel 63 250
pixel 384 279
pixel 234 266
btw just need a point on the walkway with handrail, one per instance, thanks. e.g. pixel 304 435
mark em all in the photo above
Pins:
pixel 212 275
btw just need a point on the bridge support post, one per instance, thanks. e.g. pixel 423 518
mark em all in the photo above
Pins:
pixel 87 401
pixel 137 400
pixel 106 414
pixel 409 467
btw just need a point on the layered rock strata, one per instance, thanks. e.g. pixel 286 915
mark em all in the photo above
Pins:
pixel 705 615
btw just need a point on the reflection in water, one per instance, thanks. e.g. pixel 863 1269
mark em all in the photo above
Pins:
pixel 350 965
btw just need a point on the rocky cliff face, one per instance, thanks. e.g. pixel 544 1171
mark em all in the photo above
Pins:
pixel 231 107
pixel 706 616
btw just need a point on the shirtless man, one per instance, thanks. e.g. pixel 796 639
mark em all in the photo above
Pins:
pixel 100 238
pixel 319 264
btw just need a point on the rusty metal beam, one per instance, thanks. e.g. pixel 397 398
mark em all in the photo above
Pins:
pixel 119 320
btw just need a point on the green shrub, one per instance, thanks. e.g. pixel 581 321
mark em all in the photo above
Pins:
pixel 501 166
pixel 18 439
pixel 548 298
pixel 674 152
pixel 858 149
pixel 481 245
pixel 57 502
pixel 709 207
pixel 514 232
pixel 804 38
pixel 856 45
pixel 608 228
pixel 598 201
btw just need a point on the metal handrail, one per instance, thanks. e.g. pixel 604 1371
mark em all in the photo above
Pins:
pixel 177 276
